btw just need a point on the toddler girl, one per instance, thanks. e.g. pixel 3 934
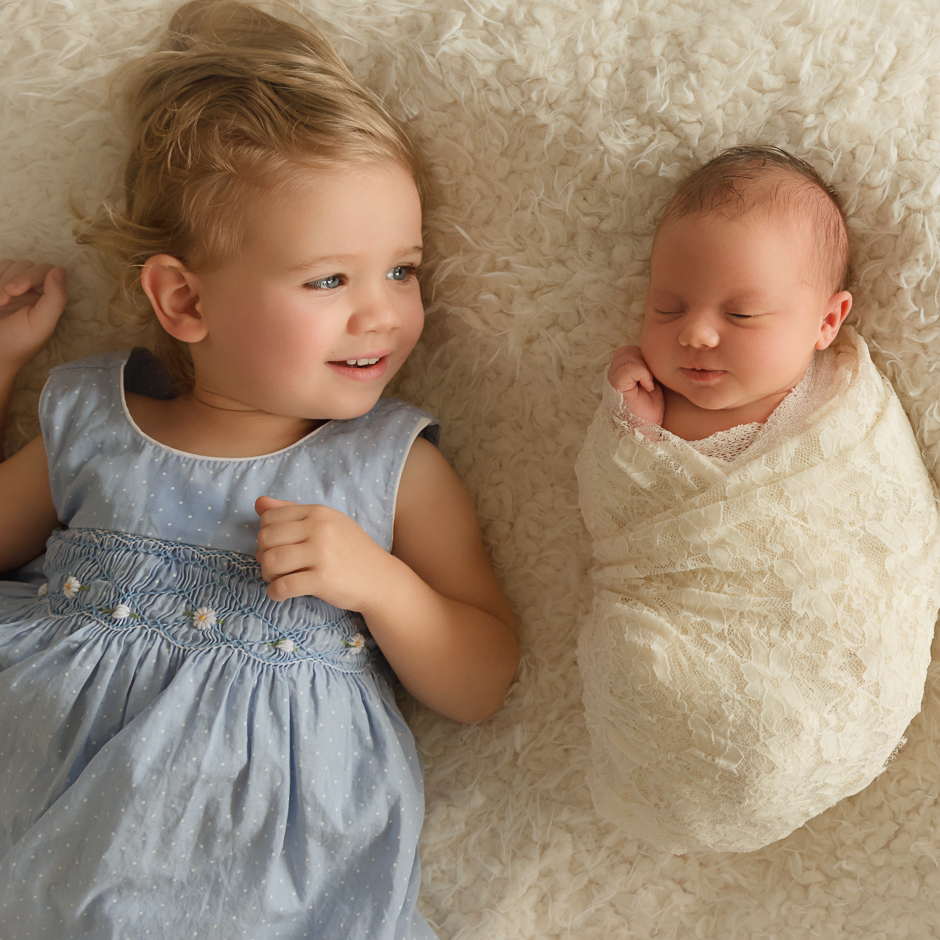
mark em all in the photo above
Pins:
pixel 766 537
pixel 199 733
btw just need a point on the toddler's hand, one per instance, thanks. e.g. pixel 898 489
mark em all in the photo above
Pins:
pixel 32 298
pixel 642 394
pixel 316 550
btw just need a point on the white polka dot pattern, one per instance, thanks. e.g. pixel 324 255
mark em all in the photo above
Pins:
pixel 183 756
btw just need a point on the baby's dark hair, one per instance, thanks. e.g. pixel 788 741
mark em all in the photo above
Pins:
pixel 742 179
pixel 233 103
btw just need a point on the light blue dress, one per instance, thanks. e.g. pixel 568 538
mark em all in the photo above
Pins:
pixel 179 755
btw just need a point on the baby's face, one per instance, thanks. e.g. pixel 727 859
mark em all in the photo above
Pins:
pixel 732 318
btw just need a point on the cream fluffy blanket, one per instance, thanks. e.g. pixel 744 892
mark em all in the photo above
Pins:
pixel 556 131
pixel 761 628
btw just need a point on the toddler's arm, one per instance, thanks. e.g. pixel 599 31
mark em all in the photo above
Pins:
pixel 642 394
pixel 433 605
pixel 32 298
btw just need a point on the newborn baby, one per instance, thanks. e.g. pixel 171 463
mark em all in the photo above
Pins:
pixel 766 537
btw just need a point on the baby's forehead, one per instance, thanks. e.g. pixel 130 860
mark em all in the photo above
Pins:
pixel 795 228
pixel 772 195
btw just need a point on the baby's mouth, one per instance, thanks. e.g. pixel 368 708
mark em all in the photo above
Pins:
pixel 702 375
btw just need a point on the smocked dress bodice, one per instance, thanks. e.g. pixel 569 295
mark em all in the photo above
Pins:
pixel 107 474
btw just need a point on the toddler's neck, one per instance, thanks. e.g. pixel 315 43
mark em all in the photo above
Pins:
pixel 193 427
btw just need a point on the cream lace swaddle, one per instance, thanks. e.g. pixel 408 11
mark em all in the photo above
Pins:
pixel 761 625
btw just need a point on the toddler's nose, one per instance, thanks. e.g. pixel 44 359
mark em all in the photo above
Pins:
pixel 374 315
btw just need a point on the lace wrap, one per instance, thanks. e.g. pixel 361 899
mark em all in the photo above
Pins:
pixel 761 627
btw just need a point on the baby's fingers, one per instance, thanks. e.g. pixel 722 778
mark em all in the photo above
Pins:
pixel 628 369
pixel 629 375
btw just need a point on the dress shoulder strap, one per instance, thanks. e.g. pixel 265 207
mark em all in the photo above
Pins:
pixel 362 461
pixel 80 399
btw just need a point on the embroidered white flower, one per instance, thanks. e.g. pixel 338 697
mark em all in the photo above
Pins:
pixel 355 643
pixel 203 618
pixel 43 590
pixel 72 586
pixel 285 645
pixel 121 612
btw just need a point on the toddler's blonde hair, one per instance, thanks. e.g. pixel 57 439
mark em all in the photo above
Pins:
pixel 233 103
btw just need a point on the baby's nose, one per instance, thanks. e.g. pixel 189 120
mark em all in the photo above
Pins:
pixel 698 331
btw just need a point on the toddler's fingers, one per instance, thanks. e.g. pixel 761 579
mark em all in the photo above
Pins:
pixel 282 533
pixel 278 564
pixel 296 584
pixel 11 269
pixel 50 305
pixel 265 503
pixel 18 277
pixel 9 272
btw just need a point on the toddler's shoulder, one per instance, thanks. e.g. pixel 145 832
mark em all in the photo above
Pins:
pixel 78 397
pixel 91 375
pixel 392 420
pixel 94 364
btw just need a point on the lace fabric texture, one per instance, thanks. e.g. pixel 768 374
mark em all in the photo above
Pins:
pixel 762 620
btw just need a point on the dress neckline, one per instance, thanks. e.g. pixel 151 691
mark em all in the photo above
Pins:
pixel 135 428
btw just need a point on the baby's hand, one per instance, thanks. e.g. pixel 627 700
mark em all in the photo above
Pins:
pixel 318 551
pixel 642 394
pixel 32 298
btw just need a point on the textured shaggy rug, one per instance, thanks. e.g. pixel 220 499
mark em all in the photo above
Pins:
pixel 556 130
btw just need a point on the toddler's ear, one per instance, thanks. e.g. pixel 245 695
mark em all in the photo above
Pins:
pixel 837 309
pixel 173 292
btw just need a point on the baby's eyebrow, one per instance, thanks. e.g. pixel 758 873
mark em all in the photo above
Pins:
pixel 665 295
pixel 747 296
pixel 744 297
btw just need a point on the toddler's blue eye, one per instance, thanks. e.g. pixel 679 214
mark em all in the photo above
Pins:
pixel 327 283
pixel 401 272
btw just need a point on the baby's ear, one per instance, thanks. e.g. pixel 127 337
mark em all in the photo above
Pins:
pixel 837 309
pixel 173 292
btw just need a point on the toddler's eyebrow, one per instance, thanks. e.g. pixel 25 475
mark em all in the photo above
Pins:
pixel 344 259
